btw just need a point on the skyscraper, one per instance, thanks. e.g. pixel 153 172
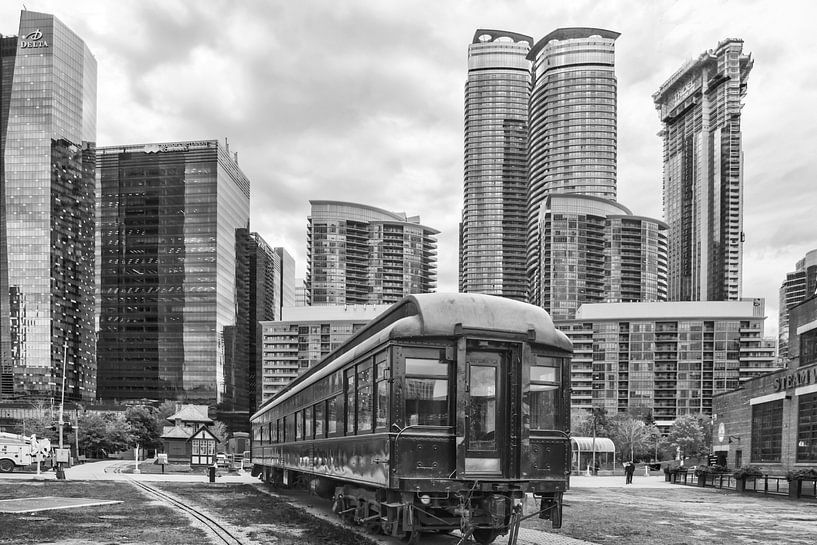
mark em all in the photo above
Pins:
pixel 799 285
pixel 700 107
pixel 572 125
pixel 595 250
pixel 47 140
pixel 496 124
pixel 174 274
pixel 359 254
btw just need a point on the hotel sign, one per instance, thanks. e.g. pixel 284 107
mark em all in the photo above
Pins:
pixel 796 379
pixel 33 40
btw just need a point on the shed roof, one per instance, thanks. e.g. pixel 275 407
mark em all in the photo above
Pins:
pixel 603 444
pixel 191 413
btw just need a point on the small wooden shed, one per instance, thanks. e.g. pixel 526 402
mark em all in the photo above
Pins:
pixel 202 447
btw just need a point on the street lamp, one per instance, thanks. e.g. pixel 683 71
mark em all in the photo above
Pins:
pixel 61 423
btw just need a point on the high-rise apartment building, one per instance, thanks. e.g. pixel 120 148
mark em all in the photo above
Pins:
pixel 359 254
pixel 47 141
pixel 798 286
pixel 303 337
pixel 667 359
pixel 492 244
pixel 572 126
pixel 595 250
pixel 174 289
pixel 699 107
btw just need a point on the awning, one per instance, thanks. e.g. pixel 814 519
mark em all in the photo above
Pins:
pixel 585 444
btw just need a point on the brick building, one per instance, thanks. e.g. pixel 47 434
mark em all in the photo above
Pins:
pixel 771 420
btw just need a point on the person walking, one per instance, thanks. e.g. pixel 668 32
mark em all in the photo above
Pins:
pixel 629 470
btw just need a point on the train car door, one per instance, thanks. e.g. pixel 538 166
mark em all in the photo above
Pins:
pixel 488 389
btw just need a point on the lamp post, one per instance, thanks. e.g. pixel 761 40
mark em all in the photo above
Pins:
pixel 60 423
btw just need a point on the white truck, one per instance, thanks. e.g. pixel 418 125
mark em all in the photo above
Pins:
pixel 21 451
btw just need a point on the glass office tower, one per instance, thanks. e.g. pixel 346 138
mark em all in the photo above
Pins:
pixel 492 243
pixel 572 125
pixel 47 141
pixel 699 107
pixel 174 283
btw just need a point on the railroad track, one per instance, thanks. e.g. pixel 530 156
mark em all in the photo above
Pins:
pixel 222 534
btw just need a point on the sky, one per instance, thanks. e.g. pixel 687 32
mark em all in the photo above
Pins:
pixel 363 101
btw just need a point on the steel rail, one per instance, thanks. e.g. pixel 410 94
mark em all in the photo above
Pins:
pixel 215 528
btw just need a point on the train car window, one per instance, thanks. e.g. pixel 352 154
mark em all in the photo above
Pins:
pixel 426 396
pixel 290 428
pixel 350 401
pixel 284 430
pixel 308 423
pixel 382 404
pixel 277 437
pixel 428 367
pixel 256 432
pixel 332 416
pixel 544 397
pixel 364 409
pixel 381 390
pixel 299 425
pixel 482 416
pixel 320 414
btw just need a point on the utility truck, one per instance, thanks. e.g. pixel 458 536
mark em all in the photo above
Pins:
pixel 21 451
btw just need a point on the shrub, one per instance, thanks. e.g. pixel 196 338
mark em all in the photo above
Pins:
pixel 710 470
pixel 801 474
pixel 747 472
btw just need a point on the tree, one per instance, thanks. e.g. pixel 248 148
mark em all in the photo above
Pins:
pixel 145 427
pixel 42 424
pixel 219 429
pixel 101 433
pixel 630 435
pixel 688 435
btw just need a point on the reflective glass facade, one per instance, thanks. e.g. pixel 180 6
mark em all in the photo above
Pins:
pixel 798 286
pixel 492 246
pixel 699 107
pixel 572 125
pixel 174 283
pixel 47 141
pixel 358 254
pixel 594 250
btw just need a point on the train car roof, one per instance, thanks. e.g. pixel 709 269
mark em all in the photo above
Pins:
pixel 438 315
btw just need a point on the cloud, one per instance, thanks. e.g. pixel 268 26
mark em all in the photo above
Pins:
pixel 363 101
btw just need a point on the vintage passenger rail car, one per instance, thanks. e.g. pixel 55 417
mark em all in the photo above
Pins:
pixel 440 414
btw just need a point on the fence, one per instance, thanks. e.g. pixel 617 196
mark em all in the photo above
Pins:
pixel 768 485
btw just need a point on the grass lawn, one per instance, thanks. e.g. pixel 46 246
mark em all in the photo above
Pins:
pixel 136 520
pixel 258 517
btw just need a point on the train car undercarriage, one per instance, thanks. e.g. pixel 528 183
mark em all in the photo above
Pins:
pixel 480 515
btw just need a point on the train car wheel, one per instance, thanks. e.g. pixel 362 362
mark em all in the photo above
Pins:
pixel 484 536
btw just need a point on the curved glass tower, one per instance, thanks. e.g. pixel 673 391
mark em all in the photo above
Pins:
pixel 572 124
pixel 358 254
pixel 496 124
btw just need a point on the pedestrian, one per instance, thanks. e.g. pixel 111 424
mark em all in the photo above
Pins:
pixel 629 469
pixel 596 469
